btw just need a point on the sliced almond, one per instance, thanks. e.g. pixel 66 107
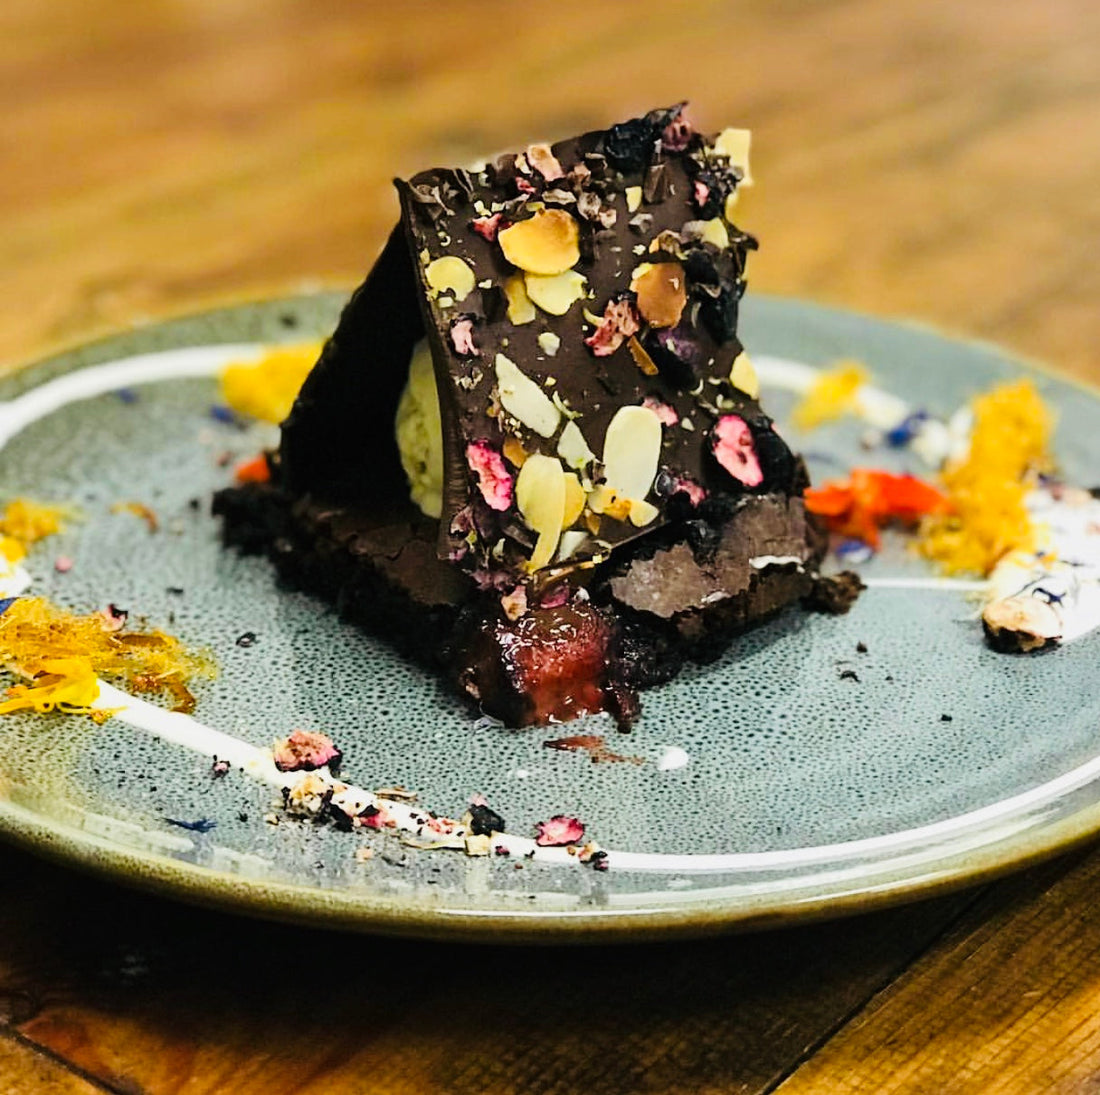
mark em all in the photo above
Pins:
pixel 570 541
pixel 662 294
pixel 573 449
pixel 452 274
pixel 574 499
pixel 631 451
pixel 642 513
pixel 730 206
pixel 520 308
pixel 556 293
pixel 524 400
pixel 633 198
pixel 734 144
pixel 547 243
pixel 540 498
pixel 714 231
pixel 743 376
pixel 549 343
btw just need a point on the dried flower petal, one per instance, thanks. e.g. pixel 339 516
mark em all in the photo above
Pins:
pixel 559 831
pixel 462 335
pixel 733 447
pixel 487 227
pixel 618 323
pixel 493 479
pixel 664 411
pixel 305 751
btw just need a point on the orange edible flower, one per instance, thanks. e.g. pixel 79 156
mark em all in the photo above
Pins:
pixel 871 499
pixel 255 470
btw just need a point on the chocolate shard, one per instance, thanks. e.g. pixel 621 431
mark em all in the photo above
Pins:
pixel 337 443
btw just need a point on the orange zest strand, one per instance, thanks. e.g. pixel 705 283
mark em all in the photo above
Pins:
pixel 266 388
pixel 62 655
pixel 870 499
pixel 988 518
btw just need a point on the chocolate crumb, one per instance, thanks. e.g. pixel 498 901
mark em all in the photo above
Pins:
pixel 849 675
pixel 834 594
pixel 247 639
pixel 946 718
pixel 861 648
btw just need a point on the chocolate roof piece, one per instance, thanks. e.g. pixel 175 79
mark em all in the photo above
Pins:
pixel 580 302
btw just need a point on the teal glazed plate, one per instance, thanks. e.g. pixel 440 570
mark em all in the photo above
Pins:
pixel 825 765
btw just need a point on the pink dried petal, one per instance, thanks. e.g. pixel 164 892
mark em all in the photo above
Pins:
pixel 493 479
pixel 525 186
pixel 544 162
pixel 702 193
pixel 696 493
pixel 735 450
pixel 305 751
pixel 63 564
pixel 618 323
pixel 514 603
pixel 375 817
pixel 559 831
pixel 443 826
pixel 677 135
pixel 462 336
pixel 114 618
pixel 487 227
pixel 664 411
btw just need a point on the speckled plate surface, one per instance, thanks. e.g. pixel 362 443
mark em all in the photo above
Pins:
pixel 767 787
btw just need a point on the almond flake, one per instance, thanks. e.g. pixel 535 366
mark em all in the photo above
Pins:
pixel 570 541
pixel 734 145
pixel 540 498
pixel 731 203
pixel 524 400
pixel 547 243
pixel 642 513
pixel 574 499
pixel 549 343
pixel 572 447
pixel 743 376
pixel 633 198
pixel 714 231
pixel 450 272
pixel 556 293
pixel 520 308
pixel 631 451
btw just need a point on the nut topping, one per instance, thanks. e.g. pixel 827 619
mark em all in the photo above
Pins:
pixel 547 243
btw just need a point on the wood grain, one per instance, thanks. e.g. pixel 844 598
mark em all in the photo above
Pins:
pixel 1006 1003
pixel 27 1071
pixel 153 997
pixel 926 161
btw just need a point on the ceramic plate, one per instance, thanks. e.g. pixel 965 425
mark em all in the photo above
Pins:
pixel 767 787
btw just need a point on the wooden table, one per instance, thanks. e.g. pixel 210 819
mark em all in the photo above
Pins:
pixel 927 161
